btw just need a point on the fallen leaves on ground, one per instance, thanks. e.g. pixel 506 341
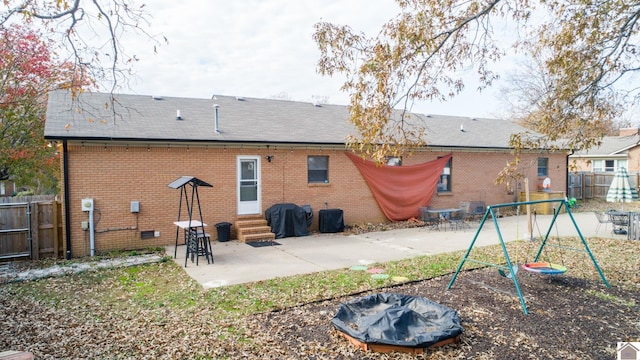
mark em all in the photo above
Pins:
pixel 156 312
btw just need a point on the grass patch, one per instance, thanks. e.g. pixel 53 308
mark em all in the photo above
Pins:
pixel 296 290
pixel 612 298
pixel 164 285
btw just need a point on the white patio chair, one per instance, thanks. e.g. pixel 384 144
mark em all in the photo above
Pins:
pixel 603 218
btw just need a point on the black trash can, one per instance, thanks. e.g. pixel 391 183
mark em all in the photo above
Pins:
pixel 224 231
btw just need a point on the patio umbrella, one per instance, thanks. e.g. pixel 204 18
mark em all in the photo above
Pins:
pixel 620 189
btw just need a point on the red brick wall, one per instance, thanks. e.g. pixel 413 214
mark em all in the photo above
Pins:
pixel 580 164
pixel 633 160
pixel 116 175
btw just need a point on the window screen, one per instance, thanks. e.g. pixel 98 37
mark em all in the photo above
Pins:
pixel 543 166
pixel 318 169
pixel 444 183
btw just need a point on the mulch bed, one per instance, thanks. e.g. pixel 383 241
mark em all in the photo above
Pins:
pixel 568 318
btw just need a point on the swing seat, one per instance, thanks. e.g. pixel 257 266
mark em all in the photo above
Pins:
pixel 544 268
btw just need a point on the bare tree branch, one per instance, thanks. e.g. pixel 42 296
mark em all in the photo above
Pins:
pixel 589 51
pixel 87 26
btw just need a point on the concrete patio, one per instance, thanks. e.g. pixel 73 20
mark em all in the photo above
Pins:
pixel 237 262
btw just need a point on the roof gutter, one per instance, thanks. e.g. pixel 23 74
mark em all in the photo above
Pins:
pixel 602 156
pixel 258 144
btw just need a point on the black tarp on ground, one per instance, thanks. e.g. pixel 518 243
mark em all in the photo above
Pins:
pixel 396 319
pixel 287 220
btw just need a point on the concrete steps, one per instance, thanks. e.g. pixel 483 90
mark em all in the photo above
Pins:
pixel 253 228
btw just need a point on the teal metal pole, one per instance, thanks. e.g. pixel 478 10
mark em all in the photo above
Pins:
pixel 512 272
pixel 593 259
pixel 544 241
pixel 466 255
pixel 504 251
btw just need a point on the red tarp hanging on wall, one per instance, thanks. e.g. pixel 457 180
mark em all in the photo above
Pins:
pixel 401 190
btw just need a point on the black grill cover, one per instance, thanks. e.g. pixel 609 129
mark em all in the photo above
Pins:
pixel 287 220
pixel 395 319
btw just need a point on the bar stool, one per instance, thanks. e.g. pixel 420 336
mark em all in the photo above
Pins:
pixel 198 244
pixel 204 240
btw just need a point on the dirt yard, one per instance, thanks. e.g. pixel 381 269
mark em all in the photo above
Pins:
pixel 569 318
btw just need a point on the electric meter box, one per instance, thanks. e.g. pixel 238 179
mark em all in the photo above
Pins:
pixel 87 204
pixel 135 206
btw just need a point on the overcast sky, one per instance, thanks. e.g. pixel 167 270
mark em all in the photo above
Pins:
pixel 260 48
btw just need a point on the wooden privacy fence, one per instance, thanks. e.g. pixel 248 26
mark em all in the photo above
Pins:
pixel 589 185
pixel 30 227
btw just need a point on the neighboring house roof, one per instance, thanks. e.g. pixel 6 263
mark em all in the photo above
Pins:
pixel 611 146
pixel 245 120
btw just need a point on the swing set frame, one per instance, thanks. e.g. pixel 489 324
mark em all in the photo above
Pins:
pixel 509 265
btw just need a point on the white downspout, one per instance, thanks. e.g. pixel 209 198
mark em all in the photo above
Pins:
pixel 92 236
pixel 87 205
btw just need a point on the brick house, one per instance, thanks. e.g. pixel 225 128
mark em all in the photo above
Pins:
pixel 275 151
pixel 614 151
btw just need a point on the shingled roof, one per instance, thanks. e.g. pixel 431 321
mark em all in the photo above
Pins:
pixel 240 120
pixel 611 146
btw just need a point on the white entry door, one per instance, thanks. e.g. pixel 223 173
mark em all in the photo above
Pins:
pixel 249 185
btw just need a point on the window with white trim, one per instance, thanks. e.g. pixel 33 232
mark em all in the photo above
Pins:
pixel 543 166
pixel 444 182
pixel 318 169
pixel 607 165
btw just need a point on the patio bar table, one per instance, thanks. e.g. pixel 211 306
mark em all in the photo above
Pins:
pixel 198 243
